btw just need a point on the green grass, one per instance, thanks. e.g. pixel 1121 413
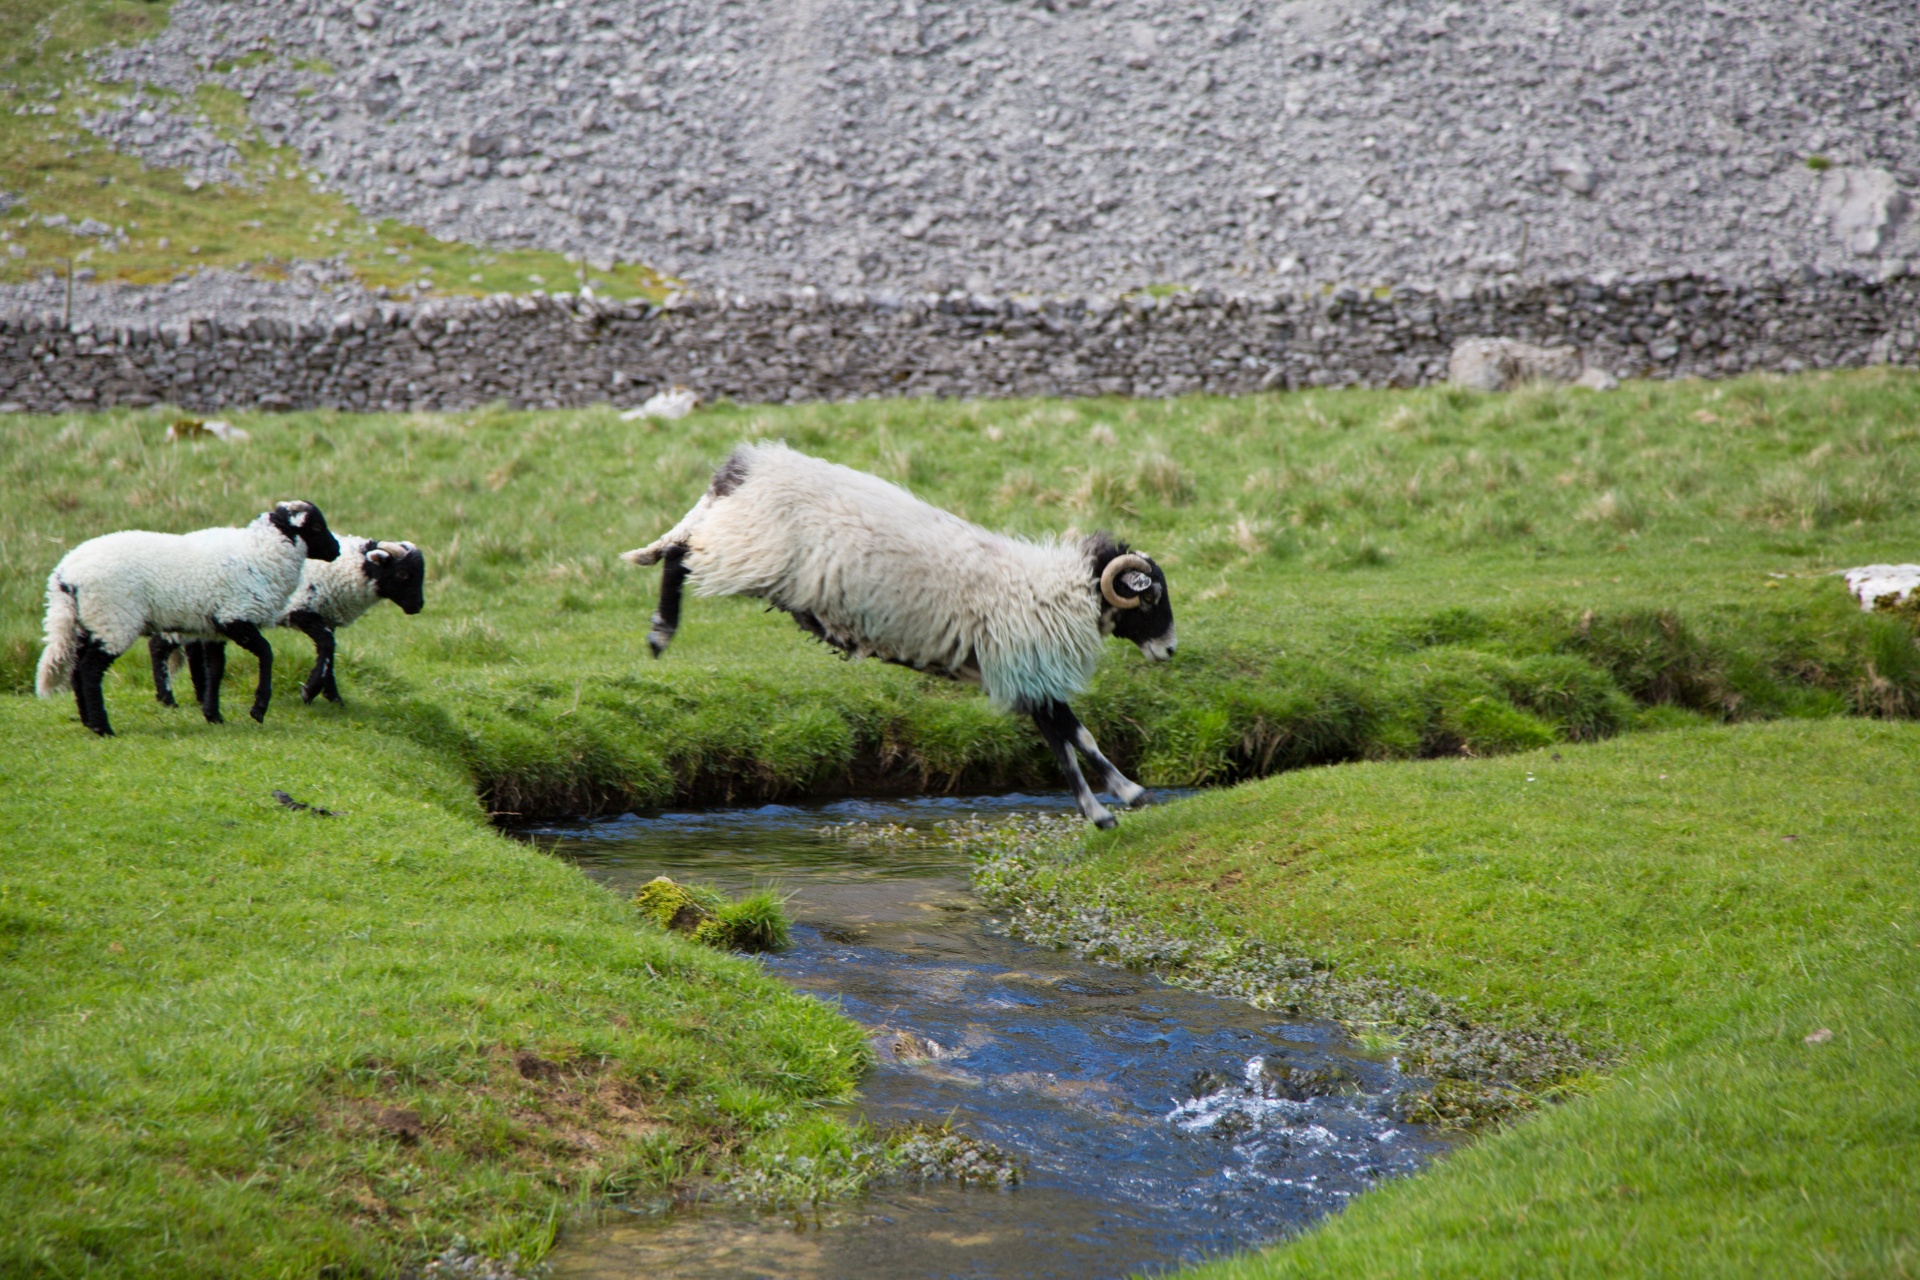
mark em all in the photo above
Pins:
pixel 216 1005
pixel 1699 901
pixel 1357 575
pixel 276 217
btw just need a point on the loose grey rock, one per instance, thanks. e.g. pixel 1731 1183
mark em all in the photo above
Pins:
pixel 1245 148
pixel 1575 174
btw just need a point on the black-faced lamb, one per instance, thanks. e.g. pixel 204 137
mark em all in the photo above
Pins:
pixel 111 590
pixel 332 594
pixel 875 572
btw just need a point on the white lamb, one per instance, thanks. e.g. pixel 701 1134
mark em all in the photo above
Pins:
pixel 875 572
pixel 109 591
pixel 332 594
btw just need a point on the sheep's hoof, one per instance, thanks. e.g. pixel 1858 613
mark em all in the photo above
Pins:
pixel 165 699
pixel 658 644
pixel 1106 822
pixel 102 730
pixel 214 717
pixel 259 712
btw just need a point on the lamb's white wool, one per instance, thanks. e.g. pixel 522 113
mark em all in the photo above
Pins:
pixel 339 590
pixel 892 577
pixel 122 586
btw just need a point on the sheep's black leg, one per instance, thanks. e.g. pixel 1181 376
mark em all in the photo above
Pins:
pixel 1057 724
pixel 321 679
pixel 666 619
pixel 248 637
pixel 1119 785
pixel 88 670
pixel 159 650
pixel 209 669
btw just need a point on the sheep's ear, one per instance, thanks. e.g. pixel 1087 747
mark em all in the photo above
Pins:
pixel 296 516
pixel 378 557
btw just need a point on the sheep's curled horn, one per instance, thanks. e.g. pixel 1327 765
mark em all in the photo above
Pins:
pixel 1117 566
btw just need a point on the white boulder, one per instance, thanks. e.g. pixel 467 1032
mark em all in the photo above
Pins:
pixel 1874 582
pixel 1500 364
pixel 1863 205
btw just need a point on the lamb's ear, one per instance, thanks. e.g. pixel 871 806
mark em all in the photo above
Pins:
pixel 296 513
pixel 379 556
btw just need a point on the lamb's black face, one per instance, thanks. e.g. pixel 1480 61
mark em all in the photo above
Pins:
pixel 1149 623
pixel 401 578
pixel 303 522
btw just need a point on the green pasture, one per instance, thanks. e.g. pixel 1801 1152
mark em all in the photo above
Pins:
pixel 227 1010
pixel 1357 575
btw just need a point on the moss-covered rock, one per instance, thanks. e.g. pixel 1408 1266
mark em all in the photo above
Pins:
pixel 757 922
pixel 676 907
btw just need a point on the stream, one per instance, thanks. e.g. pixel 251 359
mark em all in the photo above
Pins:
pixel 1155 1126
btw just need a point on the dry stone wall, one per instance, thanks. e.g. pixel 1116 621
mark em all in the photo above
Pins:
pixel 559 351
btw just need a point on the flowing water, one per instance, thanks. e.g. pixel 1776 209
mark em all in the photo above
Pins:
pixel 1155 1126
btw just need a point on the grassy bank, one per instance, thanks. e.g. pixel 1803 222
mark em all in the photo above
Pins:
pixel 1357 575
pixel 1733 913
pixel 273 216
pixel 251 1040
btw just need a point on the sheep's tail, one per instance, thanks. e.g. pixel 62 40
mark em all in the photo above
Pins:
pixel 55 673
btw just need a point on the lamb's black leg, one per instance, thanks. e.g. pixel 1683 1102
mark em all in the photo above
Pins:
pixel 248 637
pixel 197 667
pixel 159 650
pixel 208 673
pixel 666 619
pixel 320 681
pixel 1119 785
pixel 1056 724
pixel 88 670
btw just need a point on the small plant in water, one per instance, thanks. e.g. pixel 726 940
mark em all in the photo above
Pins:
pixel 873 835
pixel 1375 1040
pixel 929 1154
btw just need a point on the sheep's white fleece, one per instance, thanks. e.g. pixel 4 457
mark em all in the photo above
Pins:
pixel 338 590
pixel 122 586
pixel 890 576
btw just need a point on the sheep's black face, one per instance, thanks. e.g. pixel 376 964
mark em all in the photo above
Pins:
pixel 1139 607
pixel 302 522
pixel 399 573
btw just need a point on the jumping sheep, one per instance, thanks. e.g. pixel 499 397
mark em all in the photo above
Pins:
pixel 331 595
pixel 875 572
pixel 111 590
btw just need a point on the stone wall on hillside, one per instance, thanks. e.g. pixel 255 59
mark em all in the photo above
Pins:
pixel 562 351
